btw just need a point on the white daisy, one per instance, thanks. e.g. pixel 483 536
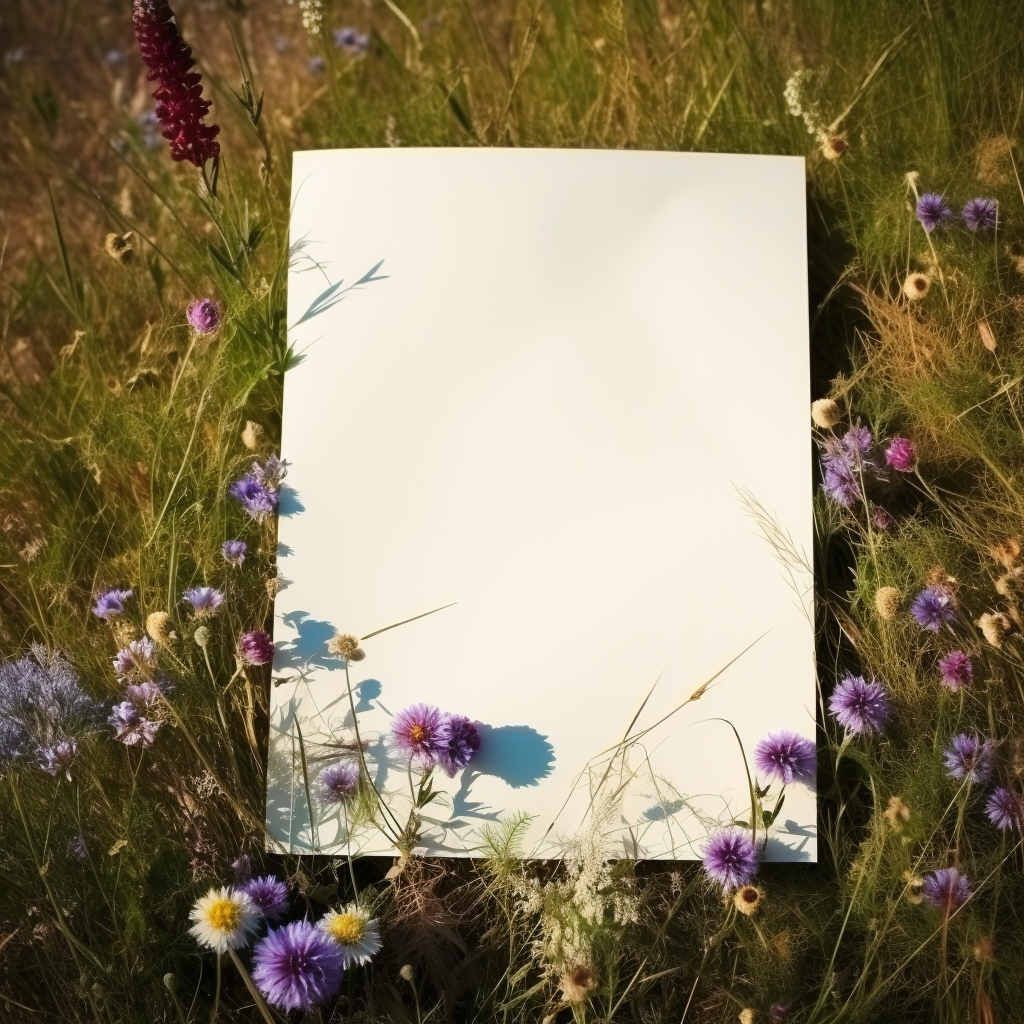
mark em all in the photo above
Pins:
pixel 224 919
pixel 353 930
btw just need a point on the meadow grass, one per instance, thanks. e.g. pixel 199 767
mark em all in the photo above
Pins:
pixel 120 431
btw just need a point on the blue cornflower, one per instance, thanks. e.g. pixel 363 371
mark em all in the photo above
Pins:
pixel 946 889
pixel 932 211
pixel 785 757
pixel 1005 808
pixel 234 551
pixel 460 740
pixel 969 757
pixel 297 966
pixel 204 600
pixel 110 603
pixel 933 608
pixel 980 214
pixel 351 40
pixel 730 858
pixel 258 500
pixel 861 707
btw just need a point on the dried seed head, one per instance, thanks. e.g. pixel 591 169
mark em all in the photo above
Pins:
pixel 939 579
pixel 202 636
pixel 916 286
pixel 407 973
pixel 782 945
pixel 748 900
pixel 897 814
pixel 984 949
pixel 887 602
pixel 158 626
pixel 988 338
pixel 915 885
pixel 748 1016
pixel 124 632
pixel 252 435
pixel 120 247
pixel 345 645
pixel 577 984
pixel 1006 552
pixel 826 413
pixel 994 626
pixel 833 147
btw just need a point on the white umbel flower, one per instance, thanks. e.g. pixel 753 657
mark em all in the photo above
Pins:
pixel 224 919
pixel 354 931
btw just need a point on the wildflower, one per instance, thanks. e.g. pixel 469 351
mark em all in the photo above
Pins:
pixel 980 214
pixel 258 501
pixel 881 518
pixel 137 660
pixel 897 814
pixel 312 15
pixel 946 889
pixel 833 147
pixel 859 706
pixel 180 106
pixel 785 757
pixel 826 413
pixel 730 858
pixel 994 626
pixel 297 967
pixel 203 315
pixel 577 984
pixel 845 461
pixel 158 626
pixel 224 919
pixel 345 645
pixel 901 455
pixel 459 741
pixel 916 286
pixel 234 551
pixel 778 1013
pixel 59 757
pixel 119 247
pixel 418 732
pixel 269 896
pixel 887 602
pixel 932 211
pixel 256 648
pixel 969 757
pixel 339 781
pixel 204 600
pixel 351 41
pixel 145 696
pixel 110 603
pixel 1005 808
pixel 78 848
pixel 355 932
pixel 956 670
pixel 747 900
pixel 272 472
pixel 933 608
pixel 131 727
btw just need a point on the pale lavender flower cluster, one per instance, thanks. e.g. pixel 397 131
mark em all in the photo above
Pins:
pixel 978 214
pixel 132 718
pixel 131 727
pixel 256 648
pixel 203 315
pixel 859 706
pixel 730 858
pixel 429 738
pixel 853 467
pixel 785 757
pixel 137 660
pixel 259 489
pixel 351 41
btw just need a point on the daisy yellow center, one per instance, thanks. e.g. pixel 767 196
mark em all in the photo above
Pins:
pixel 223 915
pixel 347 929
pixel 417 733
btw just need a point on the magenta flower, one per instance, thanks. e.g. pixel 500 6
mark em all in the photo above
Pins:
pixel 786 757
pixel 204 600
pixel 418 732
pixel 203 315
pixel 859 706
pixel 881 518
pixel 933 608
pixel 932 211
pixel 270 896
pixel 956 670
pixel 946 889
pixel 730 858
pixel 1005 808
pixel 339 782
pixel 460 740
pixel 969 757
pixel 901 455
pixel 180 106
pixel 980 214
pixel 130 727
pixel 110 603
pixel 256 648
pixel 297 967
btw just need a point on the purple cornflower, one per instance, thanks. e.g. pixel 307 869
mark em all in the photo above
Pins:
pixel 881 519
pixel 969 757
pixel 137 660
pixel 980 214
pixel 785 757
pixel 297 967
pixel 110 603
pixel 460 740
pixel 256 648
pixel 234 551
pixel 859 706
pixel 901 455
pixel 1005 808
pixel 351 40
pixel 146 695
pixel 779 1013
pixel 204 600
pixel 203 315
pixel 59 757
pixel 270 896
pixel 845 461
pixel 932 211
pixel 258 500
pixel 730 858
pixel 272 472
pixel 339 782
pixel 946 889
pixel 418 731
pixel 933 608
pixel 130 727
pixel 956 670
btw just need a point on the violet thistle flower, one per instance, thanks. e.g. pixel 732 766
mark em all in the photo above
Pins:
pixel 180 106
pixel 272 472
pixel 418 733
pixel 234 551
pixel 256 648
pixel 785 757
pixel 297 967
pixel 110 603
pixel 130 727
pixel 956 670
pixel 1005 808
pixel 932 211
pixel 203 315
pixel 269 895
pixel 730 858
pixel 258 501
pixel 860 707
pixel 204 600
pixel 933 608
pixel 980 214
pixel 845 462
pixel 58 758
pixel 339 782
pixel 459 741
pixel 137 660
pixel 901 455
pixel 969 757
pixel 946 889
